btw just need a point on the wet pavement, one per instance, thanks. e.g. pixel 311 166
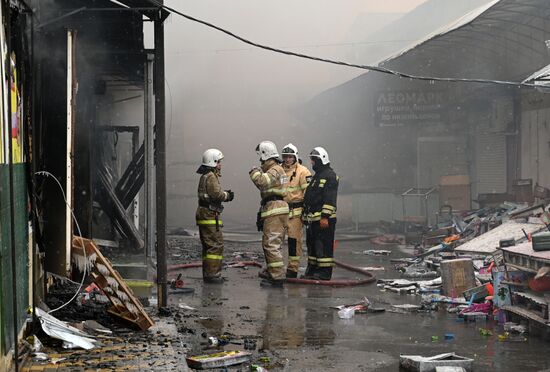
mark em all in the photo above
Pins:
pixel 298 330
pixel 294 328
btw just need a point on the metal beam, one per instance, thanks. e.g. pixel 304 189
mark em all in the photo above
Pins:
pixel 160 147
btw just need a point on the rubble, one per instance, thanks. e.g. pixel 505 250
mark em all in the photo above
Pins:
pixel 429 364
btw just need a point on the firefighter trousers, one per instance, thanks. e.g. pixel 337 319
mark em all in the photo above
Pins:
pixel 295 237
pixel 212 250
pixel 272 240
pixel 320 249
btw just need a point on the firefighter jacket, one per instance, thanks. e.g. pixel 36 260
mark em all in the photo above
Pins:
pixel 211 196
pixel 271 180
pixel 298 178
pixel 320 196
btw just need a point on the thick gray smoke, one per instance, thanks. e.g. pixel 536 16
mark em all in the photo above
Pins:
pixel 229 95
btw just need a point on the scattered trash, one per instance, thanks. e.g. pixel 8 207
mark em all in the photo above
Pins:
pixel 435 338
pixel 485 332
pixel 218 360
pixel 388 239
pixel 449 336
pixel 475 316
pixel 376 252
pixel 429 364
pixel 480 292
pixel 449 369
pixel 513 327
pixel 419 271
pixel 346 313
pixel 36 343
pixel 485 308
pixel 373 268
pixel 62 331
pixel 92 325
pixel 249 344
pixel 360 307
pixel 404 308
pixel 57 360
pixel 257 368
pixel 39 356
pixel 186 307
pixel 214 341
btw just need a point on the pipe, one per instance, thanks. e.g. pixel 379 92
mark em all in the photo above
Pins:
pixel 330 283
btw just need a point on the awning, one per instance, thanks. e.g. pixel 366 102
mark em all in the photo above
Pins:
pixel 503 40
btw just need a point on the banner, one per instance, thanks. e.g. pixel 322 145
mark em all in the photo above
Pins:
pixel 410 107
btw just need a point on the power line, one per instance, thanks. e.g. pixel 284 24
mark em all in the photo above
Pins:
pixel 382 70
pixel 318 45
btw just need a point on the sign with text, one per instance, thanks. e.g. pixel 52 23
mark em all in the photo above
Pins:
pixel 400 108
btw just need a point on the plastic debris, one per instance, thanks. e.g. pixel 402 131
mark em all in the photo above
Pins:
pixel 429 364
pixel 376 252
pixel 62 331
pixel 346 313
pixel 186 307
pixel 485 332
pixel 218 360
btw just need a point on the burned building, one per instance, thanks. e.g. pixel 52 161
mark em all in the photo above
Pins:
pixel 86 142
pixel 415 133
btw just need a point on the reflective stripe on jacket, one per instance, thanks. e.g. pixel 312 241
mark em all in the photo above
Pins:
pixel 210 192
pixel 321 194
pixel 298 177
pixel 271 180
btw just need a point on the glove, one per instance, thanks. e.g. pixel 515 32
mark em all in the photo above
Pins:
pixel 254 169
pixel 323 224
pixel 230 195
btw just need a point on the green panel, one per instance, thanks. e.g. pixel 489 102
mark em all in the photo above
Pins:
pixel 21 247
pixel 5 261
pixel 21 239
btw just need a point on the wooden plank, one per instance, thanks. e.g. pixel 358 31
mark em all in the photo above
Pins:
pixel 125 304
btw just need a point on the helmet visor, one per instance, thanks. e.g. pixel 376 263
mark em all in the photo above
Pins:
pixel 315 154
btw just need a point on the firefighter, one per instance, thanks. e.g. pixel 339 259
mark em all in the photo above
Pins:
pixel 298 178
pixel 320 216
pixel 208 214
pixel 270 179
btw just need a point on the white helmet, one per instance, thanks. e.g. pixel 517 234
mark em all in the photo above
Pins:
pixel 267 150
pixel 290 149
pixel 211 157
pixel 320 153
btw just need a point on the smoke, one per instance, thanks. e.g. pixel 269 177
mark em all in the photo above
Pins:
pixel 228 95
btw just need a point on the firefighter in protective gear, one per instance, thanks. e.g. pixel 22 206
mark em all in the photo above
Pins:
pixel 320 216
pixel 270 179
pixel 208 214
pixel 298 178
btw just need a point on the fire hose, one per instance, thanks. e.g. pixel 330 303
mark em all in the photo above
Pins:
pixel 331 283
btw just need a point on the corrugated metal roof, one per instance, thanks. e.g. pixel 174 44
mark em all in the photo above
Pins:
pixel 462 21
pixel 503 40
pixel 488 243
pixel 526 249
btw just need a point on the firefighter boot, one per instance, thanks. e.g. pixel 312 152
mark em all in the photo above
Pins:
pixel 323 273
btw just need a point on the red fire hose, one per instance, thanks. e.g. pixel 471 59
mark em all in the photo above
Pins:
pixel 331 283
